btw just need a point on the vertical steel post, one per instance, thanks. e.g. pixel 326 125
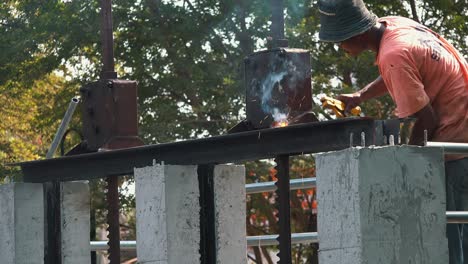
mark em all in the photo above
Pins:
pixel 284 209
pixel 277 24
pixel 113 219
pixel 207 214
pixel 108 71
pixel 52 225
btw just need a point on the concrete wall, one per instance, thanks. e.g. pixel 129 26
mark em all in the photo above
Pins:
pixel 168 228
pixel 229 190
pixel 75 222
pixel 21 223
pixel 381 205
pixel 168 214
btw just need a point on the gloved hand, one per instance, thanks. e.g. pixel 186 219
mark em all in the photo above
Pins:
pixel 350 100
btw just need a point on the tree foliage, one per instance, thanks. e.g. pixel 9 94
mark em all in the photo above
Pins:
pixel 187 56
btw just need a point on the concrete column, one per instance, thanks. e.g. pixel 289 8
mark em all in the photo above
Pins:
pixel 75 222
pixel 168 214
pixel 382 205
pixel 21 223
pixel 229 192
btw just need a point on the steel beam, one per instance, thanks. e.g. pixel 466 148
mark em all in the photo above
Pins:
pixel 239 147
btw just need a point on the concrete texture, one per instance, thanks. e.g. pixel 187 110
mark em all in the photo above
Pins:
pixel 229 191
pixel 75 222
pixel 168 214
pixel 382 205
pixel 21 223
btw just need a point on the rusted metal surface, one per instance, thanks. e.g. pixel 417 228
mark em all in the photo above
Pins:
pixel 110 116
pixel 278 86
pixel 251 145
pixel 108 71
pixel 284 209
pixel 113 219
pixel 277 24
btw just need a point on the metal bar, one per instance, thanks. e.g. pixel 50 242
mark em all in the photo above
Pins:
pixel 450 147
pixel 271 240
pixel 239 147
pixel 113 219
pixel 265 240
pixel 457 217
pixel 108 70
pixel 284 209
pixel 295 184
pixel 103 246
pixel 277 23
pixel 52 236
pixel 207 214
pixel 63 126
pixel 453 217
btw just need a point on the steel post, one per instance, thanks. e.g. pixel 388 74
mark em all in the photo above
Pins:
pixel 108 71
pixel 284 209
pixel 113 219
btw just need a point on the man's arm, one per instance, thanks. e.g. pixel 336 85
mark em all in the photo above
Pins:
pixel 374 89
pixel 426 119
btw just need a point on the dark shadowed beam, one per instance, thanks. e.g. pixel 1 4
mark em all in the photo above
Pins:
pixel 239 147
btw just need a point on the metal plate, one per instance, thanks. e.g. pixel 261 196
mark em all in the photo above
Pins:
pixel 278 85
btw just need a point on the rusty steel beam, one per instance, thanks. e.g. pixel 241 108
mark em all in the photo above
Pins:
pixel 239 147
pixel 108 68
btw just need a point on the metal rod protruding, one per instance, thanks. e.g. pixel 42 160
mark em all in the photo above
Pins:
pixel 108 71
pixel 363 139
pixel 391 140
pixel 351 136
pixel 425 137
pixel 63 126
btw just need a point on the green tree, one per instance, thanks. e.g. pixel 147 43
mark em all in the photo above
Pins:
pixel 187 57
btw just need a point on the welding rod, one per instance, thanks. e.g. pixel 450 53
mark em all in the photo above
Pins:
pixel 63 126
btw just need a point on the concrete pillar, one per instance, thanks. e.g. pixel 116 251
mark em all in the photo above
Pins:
pixel 75 222
pixel 229 192
pixel 381 205
pixel 21 223
pixel 168 214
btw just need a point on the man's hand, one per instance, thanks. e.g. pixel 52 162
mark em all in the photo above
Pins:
pixel 350 100
pixel 374 89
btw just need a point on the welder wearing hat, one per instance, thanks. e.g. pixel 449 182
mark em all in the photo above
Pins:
pixel 426 78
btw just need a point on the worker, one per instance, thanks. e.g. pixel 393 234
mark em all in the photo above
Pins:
pixel 426 78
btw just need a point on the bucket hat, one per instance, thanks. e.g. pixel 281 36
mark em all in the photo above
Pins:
pixel 343 19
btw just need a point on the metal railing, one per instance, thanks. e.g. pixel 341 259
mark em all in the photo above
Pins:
pixel 449 147
pixel 295 184
pixel 453 217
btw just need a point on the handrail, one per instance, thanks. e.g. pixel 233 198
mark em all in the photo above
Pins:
pixel 453 217
pixel 450 147
pixel 266 240
pixel 295 184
